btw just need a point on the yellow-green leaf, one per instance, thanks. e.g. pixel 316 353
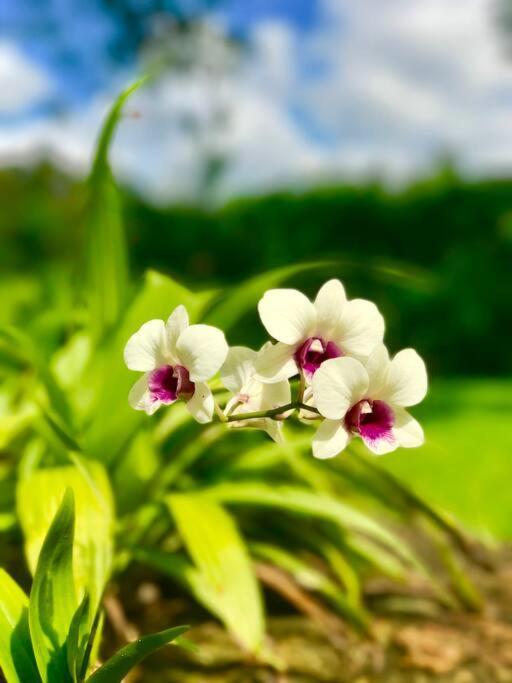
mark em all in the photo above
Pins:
pixel 17 661
pixel 220 555
pixel 53 600
pixel 92 555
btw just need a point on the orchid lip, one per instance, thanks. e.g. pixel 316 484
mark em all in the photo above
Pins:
pixel 170 383
pixel 313 352
pixel 371 419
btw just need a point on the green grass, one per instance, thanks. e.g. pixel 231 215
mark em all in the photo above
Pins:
pixel 465 466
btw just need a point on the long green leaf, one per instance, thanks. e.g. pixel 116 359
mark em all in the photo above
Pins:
pixel 17 660
pixel 107 259
pixel 123 661
pixel 220 554
pixel 77 639
pixel 232 307
pixel 314 580
pixel 52 599
pixel 303 501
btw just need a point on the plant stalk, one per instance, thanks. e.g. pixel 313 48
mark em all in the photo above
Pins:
pixel 273 413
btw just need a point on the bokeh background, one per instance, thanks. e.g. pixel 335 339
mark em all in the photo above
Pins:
pixel 375 134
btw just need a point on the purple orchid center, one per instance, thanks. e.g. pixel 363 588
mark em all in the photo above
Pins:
pixel 170 383
pixel 313 352
pixel 373 420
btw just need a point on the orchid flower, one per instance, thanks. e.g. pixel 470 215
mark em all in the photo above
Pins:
pixel 250 394
pixel 177 359
pixel 369 401
pixel 347 380
pixel 308 334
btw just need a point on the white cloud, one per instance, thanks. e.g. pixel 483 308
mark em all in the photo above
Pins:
pixel 22 83
pixel 376 86
pixel 413 78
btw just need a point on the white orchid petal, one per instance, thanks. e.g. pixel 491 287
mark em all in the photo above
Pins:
pixel 202 349
pixel 275 362
pixel 288 315
pixel 329 304
pixel 361 328
pixel 377 366
pixel 146 349
pixel 275 395
pixel 274 429
pixel 238 368
pixel 330 439
pixel 382 445
pixel 201 405
pixel 337 385
pixel 407 430
pixel 176 323
pixel 140 398
pixel 407 379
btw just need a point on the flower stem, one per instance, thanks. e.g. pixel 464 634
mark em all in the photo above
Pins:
pixel 302 388
pixel 220 413
pixel 272 413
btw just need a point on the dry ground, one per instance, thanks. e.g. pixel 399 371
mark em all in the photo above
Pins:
pixel 412 641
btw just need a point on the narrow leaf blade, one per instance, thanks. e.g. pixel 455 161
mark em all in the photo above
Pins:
pixel 123 661
pixel 107 256
pixel 17 660
pixel 52 599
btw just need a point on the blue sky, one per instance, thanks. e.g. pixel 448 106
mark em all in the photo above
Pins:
pixel 328 89
pixel 83 44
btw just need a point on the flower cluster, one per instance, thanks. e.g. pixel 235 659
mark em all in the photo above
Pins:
pixel 334 346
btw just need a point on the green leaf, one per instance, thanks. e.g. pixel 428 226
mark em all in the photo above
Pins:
pixel 303 501
pixel 89 648
pixel 236 302
pixel 313 580
pixel 116 668
pixel 93 547
pixel 233 306
pixel 17 660
pixel 220 554
pixel 52 599
pixel 78 638
pixel 107 259
pixel 30 354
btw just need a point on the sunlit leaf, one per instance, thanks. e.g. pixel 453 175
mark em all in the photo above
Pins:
pixel 52 598
pixel 17 661
pixel 92 556
pixel 218 551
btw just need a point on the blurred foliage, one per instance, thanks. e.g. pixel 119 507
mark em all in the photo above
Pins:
pixel 205 507
pixel 465 465
pixel 453 238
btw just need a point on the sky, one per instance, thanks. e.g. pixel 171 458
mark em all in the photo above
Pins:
pixel 316 90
